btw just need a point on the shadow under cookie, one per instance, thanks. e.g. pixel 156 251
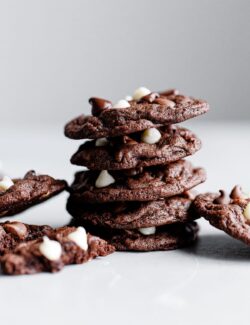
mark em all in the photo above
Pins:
pixel 219 247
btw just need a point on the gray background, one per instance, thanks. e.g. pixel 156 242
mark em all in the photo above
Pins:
pixel 57 53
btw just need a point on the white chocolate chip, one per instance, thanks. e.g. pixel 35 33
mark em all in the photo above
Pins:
pixel 51 249
pixel 147 231
pixel 141 92
pixel 129 98
pixel 246 212
pixel 6 183
pixel 151 136
pixel 101 142
pixel 104 179
pixel 123 103
pixel 79 237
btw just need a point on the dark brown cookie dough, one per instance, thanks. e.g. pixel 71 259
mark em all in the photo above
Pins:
pixel 27 258
pixel 230 214
pixel 133 215
pixel 151 111
pixel 149 184
pixel 165 238
pixel 130 152
pixel 15 232
pixel 28 191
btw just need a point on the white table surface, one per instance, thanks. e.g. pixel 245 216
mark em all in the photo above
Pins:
pixel 203 284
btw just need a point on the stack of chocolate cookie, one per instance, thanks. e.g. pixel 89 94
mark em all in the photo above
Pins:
pixel 136 191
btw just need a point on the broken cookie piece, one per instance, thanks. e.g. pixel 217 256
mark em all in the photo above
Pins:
pixel 13 233
pixel 17 195
pixel 50 253
pixel 228 213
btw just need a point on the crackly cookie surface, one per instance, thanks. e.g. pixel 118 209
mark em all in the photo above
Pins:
pixel 131 151
pixel 147 184
pixel 166 237
pixel 28 191
pixel 228 213
pixel 132 215
pixel 152 110
pixel 61 246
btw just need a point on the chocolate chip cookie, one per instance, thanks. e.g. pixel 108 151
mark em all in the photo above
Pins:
pixel 132 151
pixel 150 111
pixel 145 184
pixel 133 215
pixel 228 213
pixel 165 238
pixel 62 246
pixel 20 194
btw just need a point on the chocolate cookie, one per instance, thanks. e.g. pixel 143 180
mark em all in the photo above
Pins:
pixel 147 184
pixel 130 151
pixel 230 214
pixel 14 233
pixel 153 110
pixel 133 215
pixel 64 246
pixel 160 238
pixel 28 191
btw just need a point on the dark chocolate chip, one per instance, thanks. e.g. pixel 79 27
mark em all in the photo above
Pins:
pixel 150 98
pixel 98 105
pixel 164 101
pixel 30 173
pixel 222 199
